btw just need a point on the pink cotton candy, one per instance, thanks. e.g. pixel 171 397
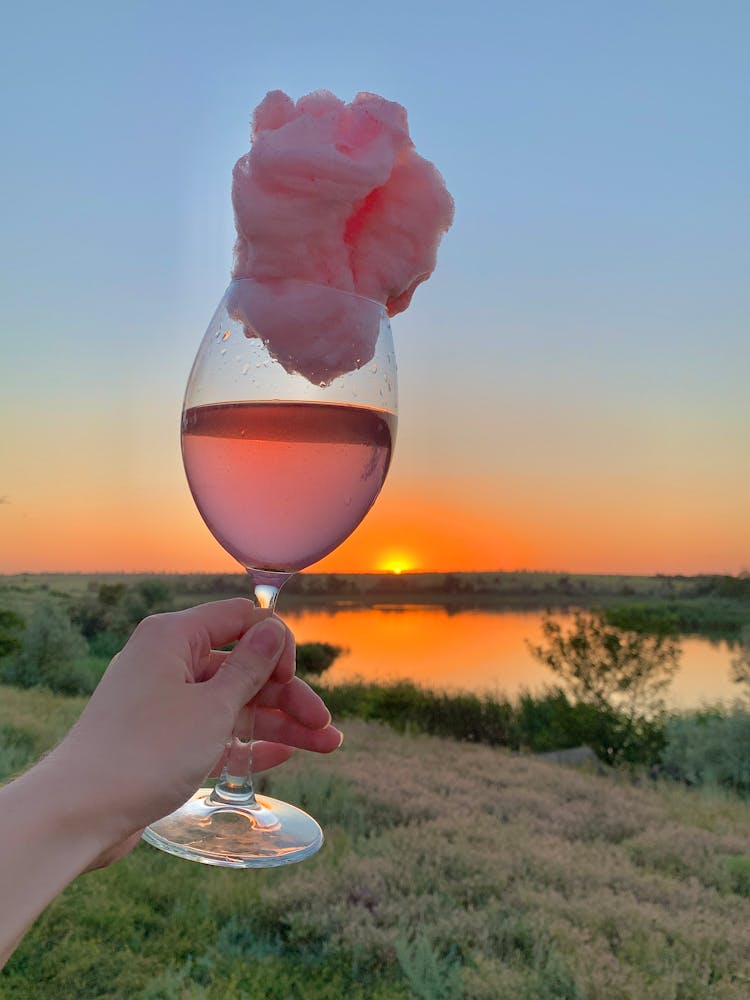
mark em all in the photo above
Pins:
pixel 333 194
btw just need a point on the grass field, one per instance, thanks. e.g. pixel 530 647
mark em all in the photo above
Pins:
pixel 449 871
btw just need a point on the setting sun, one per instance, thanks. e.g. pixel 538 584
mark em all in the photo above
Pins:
pixel 396 563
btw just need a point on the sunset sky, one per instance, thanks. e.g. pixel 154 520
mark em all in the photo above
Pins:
pixel 574 382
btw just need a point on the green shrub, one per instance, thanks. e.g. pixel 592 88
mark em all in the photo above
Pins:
pixel 741 661
pixel 536 723
pixel 616 669
pixel 710 748
pixel 430 975
pixel 109 612
pixel 552 722
pixel 145 598
pixel 316 657
pixel 106 644
pixel 52 647
pixel 407 706
pixel 738 871
pixel 11 626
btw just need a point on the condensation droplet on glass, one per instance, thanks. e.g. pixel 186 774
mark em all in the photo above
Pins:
pixel 245 369
pixel 348 501
pixel 374 369
pixel 322 384
pixel 226 335
pixel 257 364
pixel 223 351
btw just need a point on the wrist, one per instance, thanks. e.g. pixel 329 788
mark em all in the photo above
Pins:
pixel 84 796
pixel 47 840
pixel 60 813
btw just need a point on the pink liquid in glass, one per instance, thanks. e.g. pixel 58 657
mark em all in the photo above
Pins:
pixel 281 484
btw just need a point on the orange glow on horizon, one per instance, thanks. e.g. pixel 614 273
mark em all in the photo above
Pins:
pixel 406 532
pixel 155 527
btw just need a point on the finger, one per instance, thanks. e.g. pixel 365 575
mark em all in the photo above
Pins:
pixel 287 664
pixel 296 699
pixel 265 756
pixel 222 621
pixel 268 755
pixel 280 728
pixel 210 664
pixel 284 668
pixel 252 661
pixel 277 726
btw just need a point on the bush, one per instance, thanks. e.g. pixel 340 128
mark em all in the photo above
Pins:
pixel 52 645
pixel 110 611
pixel 404 705
pixel 741 662
pixel 552 722
pixel 11 626
pixel 316 657
pixel 106 644
pixel 145 598
pixel 535 724
pixel 710 748
pixel 617 670
pixel 103 612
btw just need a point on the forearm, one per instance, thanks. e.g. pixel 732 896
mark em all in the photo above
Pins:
pixel 47 838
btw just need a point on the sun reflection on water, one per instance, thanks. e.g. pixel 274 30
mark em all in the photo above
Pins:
pixel 473 650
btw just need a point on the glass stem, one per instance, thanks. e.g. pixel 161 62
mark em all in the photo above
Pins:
pixel 235 785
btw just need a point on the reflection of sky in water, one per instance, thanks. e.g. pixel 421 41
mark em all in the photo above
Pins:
pixel 477 650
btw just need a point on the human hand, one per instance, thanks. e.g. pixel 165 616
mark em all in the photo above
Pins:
pixel 166 708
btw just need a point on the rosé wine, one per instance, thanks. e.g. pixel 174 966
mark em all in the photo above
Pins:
pixel 281 484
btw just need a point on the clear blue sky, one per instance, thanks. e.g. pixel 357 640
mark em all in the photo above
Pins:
pixel 576 371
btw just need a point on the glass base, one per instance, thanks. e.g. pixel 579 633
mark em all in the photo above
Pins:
pixel 263 834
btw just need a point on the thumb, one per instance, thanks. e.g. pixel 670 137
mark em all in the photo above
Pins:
pixel 252 661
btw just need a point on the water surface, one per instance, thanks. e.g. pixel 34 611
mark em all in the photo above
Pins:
pixel 481 651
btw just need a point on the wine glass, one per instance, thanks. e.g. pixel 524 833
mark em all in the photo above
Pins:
pixel 288 426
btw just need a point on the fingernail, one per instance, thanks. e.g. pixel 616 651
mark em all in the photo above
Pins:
pixel 341 737
pixel 267 638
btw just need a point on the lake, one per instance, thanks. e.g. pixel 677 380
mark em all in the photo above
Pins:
pixel 481 651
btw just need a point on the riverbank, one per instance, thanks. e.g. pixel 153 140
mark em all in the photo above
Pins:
pixel 729 596
pixel 405 628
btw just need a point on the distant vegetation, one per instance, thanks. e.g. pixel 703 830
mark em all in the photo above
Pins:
pixel 65 645
pixel 611 665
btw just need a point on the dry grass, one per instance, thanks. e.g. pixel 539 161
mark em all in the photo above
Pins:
pixel 449 871
pixel 539 880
